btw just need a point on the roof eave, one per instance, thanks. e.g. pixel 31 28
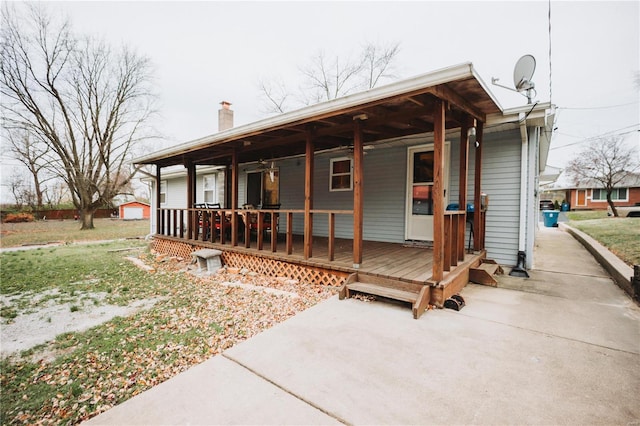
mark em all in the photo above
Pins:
pixel 434 78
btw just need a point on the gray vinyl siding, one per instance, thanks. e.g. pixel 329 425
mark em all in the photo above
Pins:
pixel 501 181
pixel 384 195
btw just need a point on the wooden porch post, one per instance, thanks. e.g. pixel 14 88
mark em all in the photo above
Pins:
pixel 438 190
pixel 158 204
pixel 191 191
pixel 308 196
pixel 463 182
pixel 477 190
pixel 234 198
pixel 358 207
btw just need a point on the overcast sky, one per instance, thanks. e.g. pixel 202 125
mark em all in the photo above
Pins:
pixel 206 52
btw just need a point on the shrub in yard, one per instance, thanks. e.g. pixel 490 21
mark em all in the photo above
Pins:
pixel 18 217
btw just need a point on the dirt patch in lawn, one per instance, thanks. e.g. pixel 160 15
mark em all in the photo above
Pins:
pixel 43 325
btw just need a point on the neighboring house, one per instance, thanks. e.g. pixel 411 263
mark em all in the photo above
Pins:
pixel 357 178
pixel 592 196
pixel 135 210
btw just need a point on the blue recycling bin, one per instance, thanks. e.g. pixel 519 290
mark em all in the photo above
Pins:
pixel 550 218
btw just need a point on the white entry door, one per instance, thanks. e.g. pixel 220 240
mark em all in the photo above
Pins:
pixel 420 195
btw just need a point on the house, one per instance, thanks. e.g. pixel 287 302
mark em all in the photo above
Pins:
pixel 591 195
pixel 135 210
pixel 403 190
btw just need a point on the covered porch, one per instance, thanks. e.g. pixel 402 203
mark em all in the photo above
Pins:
pixel 450 100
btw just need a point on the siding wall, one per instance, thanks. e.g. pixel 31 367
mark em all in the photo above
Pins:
pixel 501 181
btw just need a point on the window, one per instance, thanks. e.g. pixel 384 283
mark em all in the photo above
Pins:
pixel 209 188
pixel 163 192
pixel 618 194
pixel 341 174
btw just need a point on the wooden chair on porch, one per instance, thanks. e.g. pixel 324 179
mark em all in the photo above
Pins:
pixel 269 222
pixel 204 218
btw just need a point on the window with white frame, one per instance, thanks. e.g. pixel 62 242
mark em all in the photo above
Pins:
pixel 163 192
pixel 341 174
pixel 618 194
pixel 209 188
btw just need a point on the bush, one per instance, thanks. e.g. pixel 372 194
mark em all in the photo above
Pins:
pixel 18 217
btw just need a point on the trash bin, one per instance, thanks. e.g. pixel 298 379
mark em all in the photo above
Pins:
pixel 564 207
pixel 550 218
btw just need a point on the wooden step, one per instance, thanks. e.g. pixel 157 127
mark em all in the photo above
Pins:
pixel 484 273
pixel 384 291
pixel 418 295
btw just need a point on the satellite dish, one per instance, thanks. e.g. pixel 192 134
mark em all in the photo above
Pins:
pixel 523 73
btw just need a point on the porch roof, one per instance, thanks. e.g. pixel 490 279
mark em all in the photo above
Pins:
pixel 398 109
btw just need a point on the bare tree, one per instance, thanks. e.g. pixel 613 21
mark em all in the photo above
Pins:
pixel 89 105
pixel 326 78
pixel 33 155
pixel 22 191
pixel 377 63
pixel 607 162
pixel 55 193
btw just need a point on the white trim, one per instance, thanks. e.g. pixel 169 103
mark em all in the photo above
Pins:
pixel 331 174
pixel 212 189
pixel 166 191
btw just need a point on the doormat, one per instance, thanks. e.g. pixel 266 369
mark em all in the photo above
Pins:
pixel 418 244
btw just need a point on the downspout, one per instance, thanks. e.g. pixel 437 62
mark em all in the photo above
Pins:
pixel 520 269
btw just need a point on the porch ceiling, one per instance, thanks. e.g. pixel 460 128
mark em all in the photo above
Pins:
pixel 389 114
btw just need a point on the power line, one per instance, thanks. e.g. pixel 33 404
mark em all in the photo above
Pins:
pixel 600 136
pixel 599 107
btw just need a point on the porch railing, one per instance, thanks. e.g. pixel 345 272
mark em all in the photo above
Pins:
pixel 235 227
pixel 455 226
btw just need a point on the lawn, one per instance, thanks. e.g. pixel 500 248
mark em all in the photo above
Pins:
pixel 80 374
pixel 620 235
pixel 68 231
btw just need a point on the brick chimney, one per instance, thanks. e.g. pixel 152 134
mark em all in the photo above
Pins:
pixel 225 116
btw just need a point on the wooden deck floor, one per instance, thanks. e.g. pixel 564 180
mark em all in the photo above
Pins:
pixel 389 260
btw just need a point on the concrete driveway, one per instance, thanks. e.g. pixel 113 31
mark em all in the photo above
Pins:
pixel 562 347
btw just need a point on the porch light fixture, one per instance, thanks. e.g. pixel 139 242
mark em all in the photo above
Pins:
pixel 272 172
pixel 471 134
pixel 360 117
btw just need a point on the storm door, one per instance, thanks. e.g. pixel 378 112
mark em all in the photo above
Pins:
pixel 420 196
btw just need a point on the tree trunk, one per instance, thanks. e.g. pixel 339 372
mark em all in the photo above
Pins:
pixel 87 219
pixel 610 202
pixel 36 182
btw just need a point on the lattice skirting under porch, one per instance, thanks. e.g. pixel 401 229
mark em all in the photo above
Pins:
pixel 261 265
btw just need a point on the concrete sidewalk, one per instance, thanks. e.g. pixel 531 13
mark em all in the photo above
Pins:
pixel 562 347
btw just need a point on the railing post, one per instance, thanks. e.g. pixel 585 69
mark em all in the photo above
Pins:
pixel 181 223
pixel 447 243
pixel 175 223
pixel 332 225
pixel 462 229
pixel 274 232
pixel 260 229
pixel 453 247
pixel 289 233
